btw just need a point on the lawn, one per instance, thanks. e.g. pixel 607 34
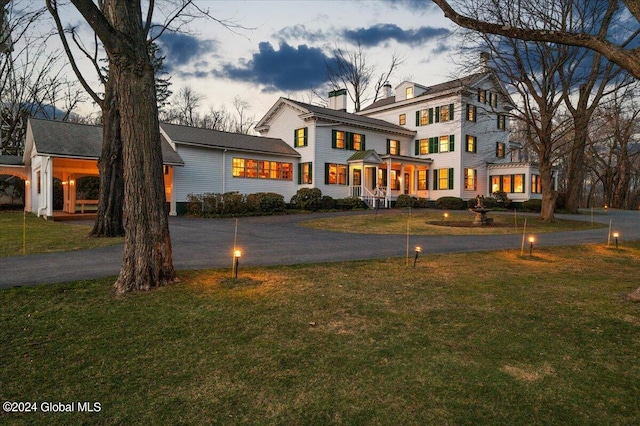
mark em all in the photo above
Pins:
pixel 44 236
pixel 434 222
pixel 476 338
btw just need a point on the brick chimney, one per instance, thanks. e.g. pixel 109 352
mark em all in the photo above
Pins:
pixel 484 61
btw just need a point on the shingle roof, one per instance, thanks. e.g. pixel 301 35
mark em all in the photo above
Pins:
pixel 217 139
pixel 346 117
pixel 11 160
pixel 469 80
pixel 74 140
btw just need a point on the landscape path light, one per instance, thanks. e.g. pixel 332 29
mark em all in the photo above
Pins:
pixel 237 253
pixel 532 239
pixel 418 251
pixel 616 235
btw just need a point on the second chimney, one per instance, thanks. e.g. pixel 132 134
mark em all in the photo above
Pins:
pixel 338 100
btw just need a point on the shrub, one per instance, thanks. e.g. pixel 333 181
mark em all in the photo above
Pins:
pixel 422 203
pixel 532 205
pixel 450 203
pixel 502 199
pixel 405 200
pixel 203 204
pixel 233 203
pixel 308 199
pixel 265 202
pixel 327 203
pixel 350 203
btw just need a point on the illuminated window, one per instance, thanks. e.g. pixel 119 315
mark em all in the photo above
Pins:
pixel 500 151
pixel 424 117
pixel 393 147
pixel 518 183
pixel 251 169
pixel 300 137
pixel 507 183
pixel 286 171
pixel 502 122
pixel 395 180
pixel 238 167
pixel 471 112
pixel 470 179
pixel 422 147
pixel 495 184
pixel 304 173
pixel 422 180
pixel 409 92
pixel 443 178
pixel 402 120
pixel 446 113
pixel 357 142
pixel 482 96
pixel 444 144
pixel 472 144
pixel 335 174
pixel 338 141
pixel 535 184
pixel 264 168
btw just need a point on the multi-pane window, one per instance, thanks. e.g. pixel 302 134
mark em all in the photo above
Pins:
pixel 434 115
pixel 422 147
pixel 424 117
pixel 472 144
pixel 393 147
pixel 395 180
pixel 261 169
pixel 482 96
pixel 495 184
pixel 402 119
pixel 536 187
pixel 471 112
pixel 443 179
pixel 357 142
pixel 500 149
pixel 470 179
pixel 300 137
pixel 446 113
pixel 335 174
pixel 508 183
pixel 305 173
pixel 485 96
pixel 502 122
pixel 339 139
pixel 444 144
pixel 518 183
pixel 409 92
pixel 422 180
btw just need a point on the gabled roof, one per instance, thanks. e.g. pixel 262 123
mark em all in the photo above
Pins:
pixel 208 138
pixel 467 81
pixel 74 140
pixel 366 156
pixel 334 116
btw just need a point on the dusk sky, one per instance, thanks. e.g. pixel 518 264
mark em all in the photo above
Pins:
pixel 284 48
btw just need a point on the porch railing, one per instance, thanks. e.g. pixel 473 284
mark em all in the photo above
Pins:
pixel 370 198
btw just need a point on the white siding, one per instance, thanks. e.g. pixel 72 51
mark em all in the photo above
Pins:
pixel 202 172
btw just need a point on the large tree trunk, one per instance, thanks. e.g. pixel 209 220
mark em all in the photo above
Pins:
pixel 109 216
pixel 549 194
pixel 147 260
pixel 576 175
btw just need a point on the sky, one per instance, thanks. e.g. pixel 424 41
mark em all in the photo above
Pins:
pixel 283 45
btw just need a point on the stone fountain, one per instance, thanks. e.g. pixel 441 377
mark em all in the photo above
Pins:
pixel 481 211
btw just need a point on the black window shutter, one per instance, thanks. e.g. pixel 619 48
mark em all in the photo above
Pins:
pixel 334 138
pixel 417 118
pixel 450 178
pixel 450 111
pixel 452 143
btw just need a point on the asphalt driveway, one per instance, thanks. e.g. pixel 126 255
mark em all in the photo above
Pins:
pixel 279 240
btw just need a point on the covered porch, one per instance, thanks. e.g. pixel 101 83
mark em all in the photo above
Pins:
pixel 380 179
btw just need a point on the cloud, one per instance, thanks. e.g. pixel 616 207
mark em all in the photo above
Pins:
pixel 300 32
pixel 181 49
pixel 287 69
pixel 382 33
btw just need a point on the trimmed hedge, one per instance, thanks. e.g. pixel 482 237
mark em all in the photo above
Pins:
pixel 450 203
pixel 234 203
pixel 532 206
pixel 307 199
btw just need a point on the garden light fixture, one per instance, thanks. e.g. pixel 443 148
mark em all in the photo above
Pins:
pixel 418 251
pixel 237 253
pixel 616 235
pixel 532 239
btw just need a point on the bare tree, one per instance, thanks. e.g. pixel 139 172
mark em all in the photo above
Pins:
pixel 351 69
pixel 242 122
pixel 185 104
pixel 523 22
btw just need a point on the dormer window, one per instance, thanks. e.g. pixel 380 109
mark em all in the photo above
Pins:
pixel 409 92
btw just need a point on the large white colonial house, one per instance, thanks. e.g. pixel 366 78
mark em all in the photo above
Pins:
pixel 451 139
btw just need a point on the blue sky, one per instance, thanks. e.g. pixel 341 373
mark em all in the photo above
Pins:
pixel 283 50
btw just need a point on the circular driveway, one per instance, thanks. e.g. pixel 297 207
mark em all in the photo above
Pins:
pixel 281 240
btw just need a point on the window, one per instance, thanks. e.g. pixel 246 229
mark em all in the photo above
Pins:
pixel 422 180
pixel 305 173
pixel 502 122
pixel 338 139
pixel 443 178
pixel 356 144
pixel 393 147
pixel 264 168
pixel 409 92
pixel 422 146
pixel 335 174
pixel 446 143
pixel 261 169
pixel 251 169
pixel 495 184
pixel 472 144
pixel 446 113
pixel 395 180
pixel 507 183
pixel 402 119
pixel 500 149
pixel 518 183
pixel 300 137
pixel 535 184
pixel 238 167
pixel 422 118
pixel 470 179
pixel 493 99
pixel 482 96
pixel 471 112
pixel 286 171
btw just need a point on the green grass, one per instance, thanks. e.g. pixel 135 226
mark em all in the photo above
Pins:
pixel 44 236
pixel 478 338
pixel 422 223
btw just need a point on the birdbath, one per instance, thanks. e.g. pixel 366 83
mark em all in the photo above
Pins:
pixel 481 211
